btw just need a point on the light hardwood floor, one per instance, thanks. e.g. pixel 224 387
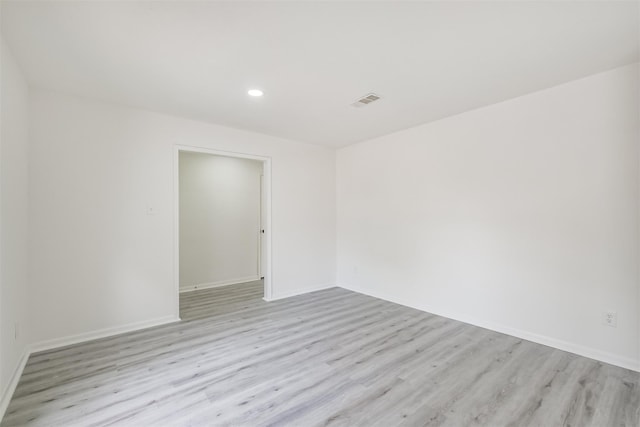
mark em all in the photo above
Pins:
pixel 332 357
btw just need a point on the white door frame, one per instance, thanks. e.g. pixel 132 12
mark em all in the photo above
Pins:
pixel 261 228
pixel 266 161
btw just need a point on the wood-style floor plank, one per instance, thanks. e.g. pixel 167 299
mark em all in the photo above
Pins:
pixel 329 358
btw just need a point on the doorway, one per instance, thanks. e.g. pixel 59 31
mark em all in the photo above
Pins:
pixel 222 220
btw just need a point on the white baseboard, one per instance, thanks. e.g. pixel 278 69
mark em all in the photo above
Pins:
pixel 592 353
pixel 13 383
pixel 218 284
pixel 300 292
pixel 69 340
pixel 100 333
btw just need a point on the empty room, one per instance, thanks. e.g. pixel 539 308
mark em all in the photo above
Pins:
pixel 319 213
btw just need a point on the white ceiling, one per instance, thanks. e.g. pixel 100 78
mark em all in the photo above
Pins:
pixel 427 60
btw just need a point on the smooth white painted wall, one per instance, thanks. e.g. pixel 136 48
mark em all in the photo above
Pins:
pixel 219 219
pixel 521 216
pixel 98 261
pixel 13 215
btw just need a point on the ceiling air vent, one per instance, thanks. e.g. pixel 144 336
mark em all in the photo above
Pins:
pixel 365 100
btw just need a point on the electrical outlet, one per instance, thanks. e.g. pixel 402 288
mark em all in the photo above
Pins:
pixel 610 319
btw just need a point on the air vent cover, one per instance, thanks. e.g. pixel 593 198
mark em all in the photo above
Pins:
pixel 366 100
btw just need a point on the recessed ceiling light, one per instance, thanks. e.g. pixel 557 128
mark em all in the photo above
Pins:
pixel 255 92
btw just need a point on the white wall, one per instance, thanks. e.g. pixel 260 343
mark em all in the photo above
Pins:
pixel 98 261
pixel 520 217
pixel 219 219
pixel 13 216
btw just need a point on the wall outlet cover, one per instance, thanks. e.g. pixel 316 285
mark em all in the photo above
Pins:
pixel 610 318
